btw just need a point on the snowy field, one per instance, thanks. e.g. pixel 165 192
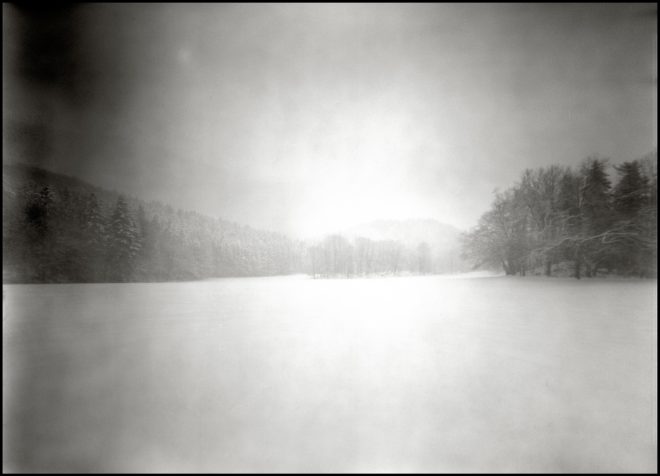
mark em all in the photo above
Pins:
pixel 294 374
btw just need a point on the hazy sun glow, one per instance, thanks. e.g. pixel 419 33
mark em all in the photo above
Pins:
pixel 356 170
pixel 306 119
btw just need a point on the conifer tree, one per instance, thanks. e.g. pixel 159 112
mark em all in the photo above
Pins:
pixel 123 244
pixel 632 191
pixel 630 197
pixel 95 240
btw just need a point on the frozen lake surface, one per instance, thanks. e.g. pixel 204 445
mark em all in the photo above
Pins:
pixel 295 374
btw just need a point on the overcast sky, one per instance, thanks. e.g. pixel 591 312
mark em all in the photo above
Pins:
pixel 312 118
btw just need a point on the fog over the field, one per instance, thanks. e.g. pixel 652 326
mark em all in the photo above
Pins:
pixel 429 374
pixel 312 118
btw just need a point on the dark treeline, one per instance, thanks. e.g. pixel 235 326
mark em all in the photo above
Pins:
pixel 584 222
pixel 336 256
pixel 554 220
pixel 56 233
pixel 60 229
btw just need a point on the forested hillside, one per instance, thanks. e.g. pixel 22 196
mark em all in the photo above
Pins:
pixel 60 229
pixel 599 219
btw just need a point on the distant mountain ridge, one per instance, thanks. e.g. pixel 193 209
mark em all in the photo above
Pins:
pixel 409 232
pixel 173 244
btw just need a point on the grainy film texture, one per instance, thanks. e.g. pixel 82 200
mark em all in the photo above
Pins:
pixel 330 238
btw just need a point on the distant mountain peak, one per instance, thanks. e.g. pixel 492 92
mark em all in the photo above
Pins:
pixel 410 232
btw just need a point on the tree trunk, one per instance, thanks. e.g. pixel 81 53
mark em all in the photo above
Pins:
pixel 578 267
pixel 578 263
pixel 507 269
pixel 548 268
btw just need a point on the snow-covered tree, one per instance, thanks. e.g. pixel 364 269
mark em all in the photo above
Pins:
pixel 123 243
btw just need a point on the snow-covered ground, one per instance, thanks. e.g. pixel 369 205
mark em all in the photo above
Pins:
pixel 295 374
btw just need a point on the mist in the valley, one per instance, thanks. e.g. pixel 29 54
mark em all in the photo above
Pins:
pixel 309 119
